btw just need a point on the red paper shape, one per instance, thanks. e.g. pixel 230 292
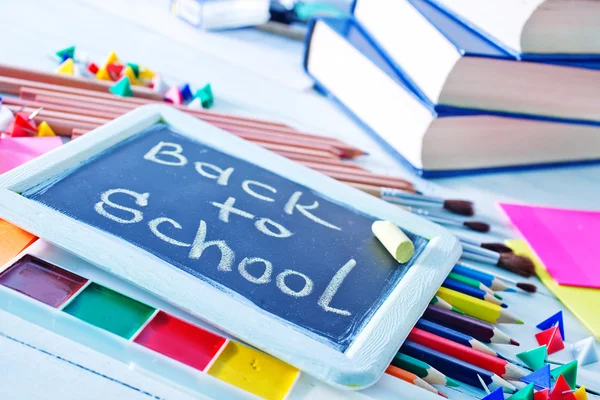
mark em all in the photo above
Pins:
pixel 552 334
pixel 93 68
pixel 114 70
pixel 560 387
pixel 541 394
pixel 22 126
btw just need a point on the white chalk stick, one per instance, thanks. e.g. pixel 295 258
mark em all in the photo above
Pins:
pixel 394 240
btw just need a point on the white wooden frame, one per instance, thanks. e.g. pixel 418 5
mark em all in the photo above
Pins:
pixel 374 347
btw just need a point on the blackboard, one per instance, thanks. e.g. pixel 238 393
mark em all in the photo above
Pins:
pixel 246 230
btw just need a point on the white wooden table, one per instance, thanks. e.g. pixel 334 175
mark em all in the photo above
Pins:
pixel 262 78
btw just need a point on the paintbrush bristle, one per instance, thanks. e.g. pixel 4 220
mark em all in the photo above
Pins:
pixel 517 264
pixel 477 226
pixel 497 247
pixel 528 287
pixel 461 207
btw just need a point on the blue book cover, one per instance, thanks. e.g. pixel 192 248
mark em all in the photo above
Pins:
pixel 474 41
pixel 352 31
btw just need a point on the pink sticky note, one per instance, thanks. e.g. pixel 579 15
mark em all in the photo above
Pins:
pixel 17 151
pixel 566 241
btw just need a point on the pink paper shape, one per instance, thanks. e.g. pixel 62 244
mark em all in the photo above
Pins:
pixel 566 241
pixel 17 151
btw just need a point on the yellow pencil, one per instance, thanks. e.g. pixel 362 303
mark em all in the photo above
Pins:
pixel 477 308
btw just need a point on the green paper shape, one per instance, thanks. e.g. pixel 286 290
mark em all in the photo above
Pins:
pixel 524 394
pixel 109 310
pixel 69 50
pixel 206 96
pixel 122 88
pixel 568 371
pixel 135 68
pixel 534 358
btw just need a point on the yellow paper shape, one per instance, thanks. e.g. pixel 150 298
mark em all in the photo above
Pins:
pixel 112 58
pixel 45 130
pixel 67 67
pixel 254 371
pixel 128 72
pixel 581 301
pixel 103 74
pixel 580 394
pixel 146 74
pixel 12 241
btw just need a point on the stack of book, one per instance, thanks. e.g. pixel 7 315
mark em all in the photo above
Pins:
pixel 465 86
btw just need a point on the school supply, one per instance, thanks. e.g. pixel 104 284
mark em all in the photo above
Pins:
pixel 576 299
pixel 540 29
pixel 471 291
pixel 14 239
pixel 348 66
pixel 569 257
pixel 509 261
pixel 221 14
pixel 487 279
pixel 500 367
pixel 471 282
pixel 19 150
pixel 480 309
pixel 480 330
pixel 455 368
pixel 411 378
pixel 493 246
pixel 455 66
pixel 275 300
pixel 455 336
pixel 585 351
pixel 423 370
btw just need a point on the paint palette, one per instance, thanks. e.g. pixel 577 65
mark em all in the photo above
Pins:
pixel 255 244
pixel 83 303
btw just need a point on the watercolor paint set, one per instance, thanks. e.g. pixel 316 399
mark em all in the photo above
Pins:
pixel 69 296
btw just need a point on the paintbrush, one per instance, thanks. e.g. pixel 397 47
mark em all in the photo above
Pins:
pixel 509 261
pixel 462 207
pixel 493 246
pixel 477 226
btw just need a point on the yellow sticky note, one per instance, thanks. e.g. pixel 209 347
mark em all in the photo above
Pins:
pixel 579 300
pixel 254 371
pixel 12 241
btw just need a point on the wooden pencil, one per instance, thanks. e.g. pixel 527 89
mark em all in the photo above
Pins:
pixel 480 330
pixel 499 366
pixel 422 370
pixel 411 378
pixel 471 291
pixel 455 336
pixel 455 368
pixel 479 309
pixel 471 282
pixel 70 81
pixel 487 279
pixel 439 302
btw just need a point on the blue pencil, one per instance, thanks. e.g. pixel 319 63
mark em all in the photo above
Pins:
pixel 455 368
pixel 455 336
pixel 487 279
pixel 471 291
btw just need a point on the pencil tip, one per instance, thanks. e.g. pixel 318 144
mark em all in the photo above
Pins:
pixel 451 382
pixel 456 310
pixel 511 290
pixel 514 342
pixel 519 322
pixel 504 305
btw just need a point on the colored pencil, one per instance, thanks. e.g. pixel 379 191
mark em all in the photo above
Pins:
pixel 480 309
pixel 455 336
pixel 471 291
pixel 480 330
pixel 499 366
pixel 436 300
pixel 412 378
pixel 423 370
pixel 455 368
pixel 487 279
pixel 472 282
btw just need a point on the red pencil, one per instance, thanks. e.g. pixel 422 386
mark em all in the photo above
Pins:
pixel 488 362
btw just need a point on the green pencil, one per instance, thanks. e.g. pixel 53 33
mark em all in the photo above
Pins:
pixel 422 370
pixel 472 282
pixel 444 304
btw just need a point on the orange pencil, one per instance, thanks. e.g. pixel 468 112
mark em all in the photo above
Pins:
pixel 412 378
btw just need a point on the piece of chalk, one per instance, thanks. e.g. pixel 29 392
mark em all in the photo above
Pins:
pixel 394 240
